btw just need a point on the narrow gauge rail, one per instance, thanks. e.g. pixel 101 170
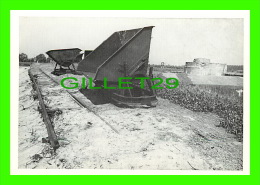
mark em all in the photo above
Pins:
pixel 81 103
pixel 50 130
pixel 51 133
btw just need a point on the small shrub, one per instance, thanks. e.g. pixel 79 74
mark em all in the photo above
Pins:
pixel 223 101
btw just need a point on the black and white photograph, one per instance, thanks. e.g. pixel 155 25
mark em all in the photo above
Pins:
pixel 126 92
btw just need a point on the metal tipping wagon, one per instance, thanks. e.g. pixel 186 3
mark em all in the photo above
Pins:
pixel 65 59
pixel 123 54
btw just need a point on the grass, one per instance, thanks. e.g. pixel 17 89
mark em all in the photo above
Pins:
pixel 25 63
pixel 234 68
pixel 221 100
pixel 168 69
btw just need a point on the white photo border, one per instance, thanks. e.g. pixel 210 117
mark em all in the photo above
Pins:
pixel 14 66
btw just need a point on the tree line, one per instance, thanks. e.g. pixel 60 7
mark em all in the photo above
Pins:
pixel 39 58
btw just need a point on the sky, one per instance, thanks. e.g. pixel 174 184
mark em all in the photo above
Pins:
pixel 174 41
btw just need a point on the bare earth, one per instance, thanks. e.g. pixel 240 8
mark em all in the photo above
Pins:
pixel 166 137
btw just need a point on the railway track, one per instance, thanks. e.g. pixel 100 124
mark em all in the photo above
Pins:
pixel 41 79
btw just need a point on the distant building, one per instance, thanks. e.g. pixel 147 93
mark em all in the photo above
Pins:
pixel 162 64
pixel 202 66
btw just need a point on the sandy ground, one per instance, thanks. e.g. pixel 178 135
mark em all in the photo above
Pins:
pixel 31 126
pixel 166 137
